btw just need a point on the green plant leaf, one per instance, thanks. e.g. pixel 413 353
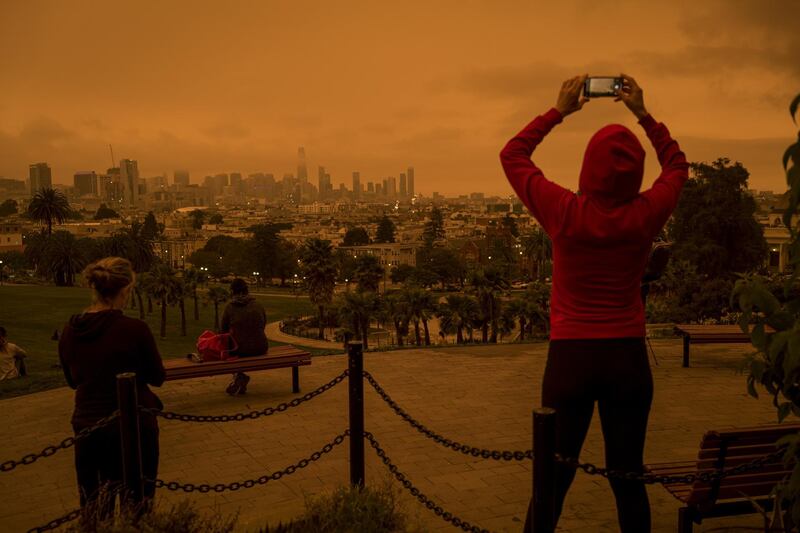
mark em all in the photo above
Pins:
pixel 783 410
pixel 758 337
pixel 751 386
pixel 793 107
pixel 777 343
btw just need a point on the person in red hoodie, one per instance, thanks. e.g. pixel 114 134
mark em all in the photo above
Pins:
pixel 602 236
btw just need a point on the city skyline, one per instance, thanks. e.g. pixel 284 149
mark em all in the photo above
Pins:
pixel 377 89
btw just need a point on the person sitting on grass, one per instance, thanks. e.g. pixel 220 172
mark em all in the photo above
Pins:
pixel 12 358
pixel 245 319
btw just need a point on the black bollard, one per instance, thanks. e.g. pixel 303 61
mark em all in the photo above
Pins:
pixel 544 470
pixel 133 484
pixel 355 364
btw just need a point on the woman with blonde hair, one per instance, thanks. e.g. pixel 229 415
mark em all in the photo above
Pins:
pixel 94 347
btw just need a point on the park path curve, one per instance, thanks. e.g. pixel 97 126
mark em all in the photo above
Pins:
pixel 274 333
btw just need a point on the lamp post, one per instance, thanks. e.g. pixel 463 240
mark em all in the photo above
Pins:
pixel 2 272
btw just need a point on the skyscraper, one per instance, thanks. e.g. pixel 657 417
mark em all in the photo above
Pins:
pixel 356 185
pixel 181 178
pixel 302 170
pixel 85 183
pixel 410 175
pixel 235 182
pixel 323 183
pixel 40 177
pixel 391 185
pixel 403 187
pixel 129 172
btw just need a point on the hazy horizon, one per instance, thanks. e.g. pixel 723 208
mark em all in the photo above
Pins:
pixel 375 88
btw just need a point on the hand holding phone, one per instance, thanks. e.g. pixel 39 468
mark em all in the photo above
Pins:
pixel 633 96
pixel 569 98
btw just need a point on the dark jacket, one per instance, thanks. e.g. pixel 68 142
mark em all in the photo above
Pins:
pixel 94 348
pixel 245 319
pixel 602 236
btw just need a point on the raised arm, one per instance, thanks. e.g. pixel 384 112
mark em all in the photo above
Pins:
pixel 660 199
pixel 545 199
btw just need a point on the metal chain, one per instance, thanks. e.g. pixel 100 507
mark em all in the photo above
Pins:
pixel 424 500
pixel 703 477
pixel 56 523
pixel 8 466
pixel 497 455
pixel 249 483
pixel 252 415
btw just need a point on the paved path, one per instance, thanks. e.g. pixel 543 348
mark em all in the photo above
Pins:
pixel 274 332
pixel 477 395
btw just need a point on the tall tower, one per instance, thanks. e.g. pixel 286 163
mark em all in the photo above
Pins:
pixel 356 185
pixel 322 188
pixel 403 187
pixel 410 176
pixel 129 172
pixel 302 170
pixel 40 177
pixel 85 183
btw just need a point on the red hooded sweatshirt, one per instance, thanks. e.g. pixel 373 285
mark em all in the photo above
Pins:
pixel 602 235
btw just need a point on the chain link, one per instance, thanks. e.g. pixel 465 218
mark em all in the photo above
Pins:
pixel 252 415
pixel 49 451
pixel 424 500
pixel 647 478
pixel 497 455
pixel 249 483
pixel 56 523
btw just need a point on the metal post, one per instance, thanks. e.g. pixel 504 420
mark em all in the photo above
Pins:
pixel 355 363
pixel 544 470
pixel 133 485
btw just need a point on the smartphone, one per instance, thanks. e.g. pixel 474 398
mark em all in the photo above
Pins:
pixel 601 86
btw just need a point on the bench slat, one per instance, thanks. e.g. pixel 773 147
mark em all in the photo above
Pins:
pixel 277 357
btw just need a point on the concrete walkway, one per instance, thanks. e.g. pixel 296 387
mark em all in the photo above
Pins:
pixel 274 332
pixel 481 396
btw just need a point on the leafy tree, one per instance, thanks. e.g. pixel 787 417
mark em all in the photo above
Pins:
pixel 386 230
pixel 368 273
pixel 48 206
pixel 401 273
pixel 216 296
pixel 319 271
pixel 216 218
pixel 198 216
pixel 443 262
pixel 457 313
pixel 714 226
pixel 776 363
pixel 14 260
pixel 357 236
pixel 510 224
pixel 8 207
pixel 104 212
pixel 434 228
pixel 151 229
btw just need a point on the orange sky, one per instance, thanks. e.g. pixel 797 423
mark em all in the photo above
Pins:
pixel 369 86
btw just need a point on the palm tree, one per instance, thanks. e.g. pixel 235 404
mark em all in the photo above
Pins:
pixel 179 296
pixel 539 250
pixel 537 304
pixel 457 313
pixel 194 278
pixel 356 308
pixel 163 287
pixel 216 296
pixel 64 258
pixel 319 273
pixel 517 309
pixel 423 305
pixel 48 206
pixel 368 273
pixel 487 286
pixel 399 312
pixel 143 285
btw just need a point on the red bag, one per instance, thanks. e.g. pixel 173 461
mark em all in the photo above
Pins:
pixel 216 346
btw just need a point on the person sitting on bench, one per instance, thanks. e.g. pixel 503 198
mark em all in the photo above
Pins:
pixel 12 358
pixel 245 319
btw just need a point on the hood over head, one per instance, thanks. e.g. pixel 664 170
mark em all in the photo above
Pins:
pixel 613 165
pixel 242 299
pixel 91 325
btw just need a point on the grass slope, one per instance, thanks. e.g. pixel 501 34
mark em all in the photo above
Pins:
pixel 32 313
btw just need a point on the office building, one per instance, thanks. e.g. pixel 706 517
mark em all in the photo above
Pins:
pixel 391 186
pixel 40 177
pixel 85 183
pixel 410 178
pixel 181 178
pixel 129 174
pixel 302 170
pixel 403 185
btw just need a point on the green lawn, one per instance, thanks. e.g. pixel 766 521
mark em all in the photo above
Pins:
pixel 32 313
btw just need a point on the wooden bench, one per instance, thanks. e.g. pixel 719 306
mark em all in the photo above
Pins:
pixel 724 449
pixel 712 334
pixel 277 357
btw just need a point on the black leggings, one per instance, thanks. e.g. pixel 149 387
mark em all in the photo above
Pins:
pixel 615 373
pixel 98 463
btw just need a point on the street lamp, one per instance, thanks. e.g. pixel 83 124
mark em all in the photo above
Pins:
pixel 1 272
